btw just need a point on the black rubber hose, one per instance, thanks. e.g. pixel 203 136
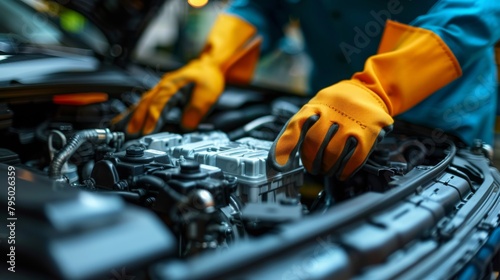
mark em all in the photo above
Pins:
pixel 128 196
pixel 155 183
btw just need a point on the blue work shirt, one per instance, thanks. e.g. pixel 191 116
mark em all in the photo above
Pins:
pixel 340 35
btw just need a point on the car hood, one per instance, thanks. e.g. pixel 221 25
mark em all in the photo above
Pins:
pixel 121 21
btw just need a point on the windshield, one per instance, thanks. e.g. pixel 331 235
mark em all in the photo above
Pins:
pixel 40 23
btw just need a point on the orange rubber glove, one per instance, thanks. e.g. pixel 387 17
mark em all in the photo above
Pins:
pixel 336 130
pixel 230 54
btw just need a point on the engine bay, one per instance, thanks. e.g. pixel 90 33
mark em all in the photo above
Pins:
pixel 82 200
pixel 205 204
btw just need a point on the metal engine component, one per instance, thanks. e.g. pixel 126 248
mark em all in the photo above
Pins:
pixel 245 158
pixel 96 136
pixel 197 182
pixel 437 220
pixel 195 200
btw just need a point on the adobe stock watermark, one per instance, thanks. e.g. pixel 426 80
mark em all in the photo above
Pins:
pixel 476 100
pixel 320 263
pixel 121 274
pixel 11 218
pixel 373 28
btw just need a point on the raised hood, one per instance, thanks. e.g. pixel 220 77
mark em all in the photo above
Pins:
pixel 121 21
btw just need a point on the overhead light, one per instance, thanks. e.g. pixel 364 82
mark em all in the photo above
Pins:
pixel 197 3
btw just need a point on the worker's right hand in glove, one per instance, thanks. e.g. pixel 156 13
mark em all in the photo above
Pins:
pixel 336 130
pixel 230 54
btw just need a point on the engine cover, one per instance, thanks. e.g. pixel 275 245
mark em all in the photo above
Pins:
pixel 245 158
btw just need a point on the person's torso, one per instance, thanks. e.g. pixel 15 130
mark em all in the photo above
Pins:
pixel 341 35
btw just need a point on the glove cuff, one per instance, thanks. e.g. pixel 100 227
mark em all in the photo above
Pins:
pixel 411 64
pixel 234 46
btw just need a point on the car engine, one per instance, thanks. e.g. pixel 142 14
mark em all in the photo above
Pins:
pixel 198 182
pixel 206 204
pixel 82 200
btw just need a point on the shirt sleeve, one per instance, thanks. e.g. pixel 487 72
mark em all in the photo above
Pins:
pixel 468 27
pixel 269 17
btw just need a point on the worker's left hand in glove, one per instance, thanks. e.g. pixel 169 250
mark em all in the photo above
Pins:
pixel 335 132
pixel 230 55
pixel 206 81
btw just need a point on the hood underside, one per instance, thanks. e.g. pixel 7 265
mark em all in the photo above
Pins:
pixel 121 21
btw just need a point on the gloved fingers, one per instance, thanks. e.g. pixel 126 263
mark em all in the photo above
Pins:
pixel 347 156
pixel 284 149
pixel 120 121
pixel 203 98
pixel 147 117
pixel 383 132
pixel 138 114
pixel 360 153
pixel 358 158
pixel 194 113
pixel 315 142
